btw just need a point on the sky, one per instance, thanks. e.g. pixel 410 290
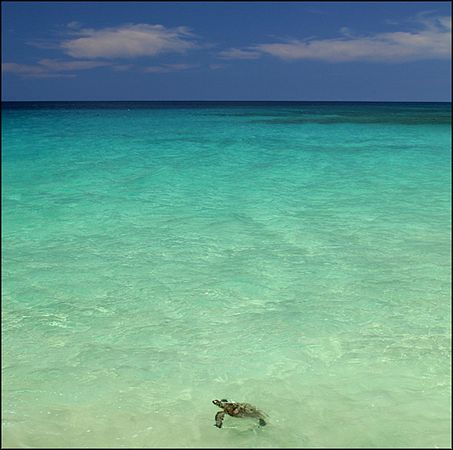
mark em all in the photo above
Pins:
pixel 312 51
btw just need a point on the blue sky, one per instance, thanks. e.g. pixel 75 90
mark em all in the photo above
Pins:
pixel 370 51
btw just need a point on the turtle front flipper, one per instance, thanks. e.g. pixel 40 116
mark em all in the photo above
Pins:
pixel 219 419
pixel 262 422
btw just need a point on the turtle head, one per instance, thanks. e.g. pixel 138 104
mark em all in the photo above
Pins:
pixel 219 403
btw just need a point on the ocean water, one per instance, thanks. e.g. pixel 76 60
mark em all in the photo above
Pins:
pixel 157 256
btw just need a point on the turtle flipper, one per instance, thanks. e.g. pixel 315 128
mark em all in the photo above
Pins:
pixel 219 419
pixel 262 422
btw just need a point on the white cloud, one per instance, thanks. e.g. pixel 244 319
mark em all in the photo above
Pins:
pixel 22 69
pixel 346 31
pixel 74 25
pixel 50 68
pixel 445 22
pixel 430 20
pixel 433 41
pixel 237 53
pixel 97 48
pixel 128 41
pixel 63 66
pixel 164 68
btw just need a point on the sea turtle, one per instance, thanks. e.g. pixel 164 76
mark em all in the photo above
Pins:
pixel 236 410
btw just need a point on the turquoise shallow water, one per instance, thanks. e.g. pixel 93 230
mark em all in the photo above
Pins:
pixel 157 256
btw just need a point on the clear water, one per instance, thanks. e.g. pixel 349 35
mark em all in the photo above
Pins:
pixel 295 256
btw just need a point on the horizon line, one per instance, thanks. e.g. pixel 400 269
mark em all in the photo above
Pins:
pixel 227 101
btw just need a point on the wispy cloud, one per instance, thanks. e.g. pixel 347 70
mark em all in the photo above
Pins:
pixel 74 25
pixel 50 68
pixel 92 48
pixel 431 41
pixel 237 53
pixel 63 66
pixel 164 68
pixel 217 66
pixel 128 41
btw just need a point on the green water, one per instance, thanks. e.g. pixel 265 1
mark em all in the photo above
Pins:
pixel 159 256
